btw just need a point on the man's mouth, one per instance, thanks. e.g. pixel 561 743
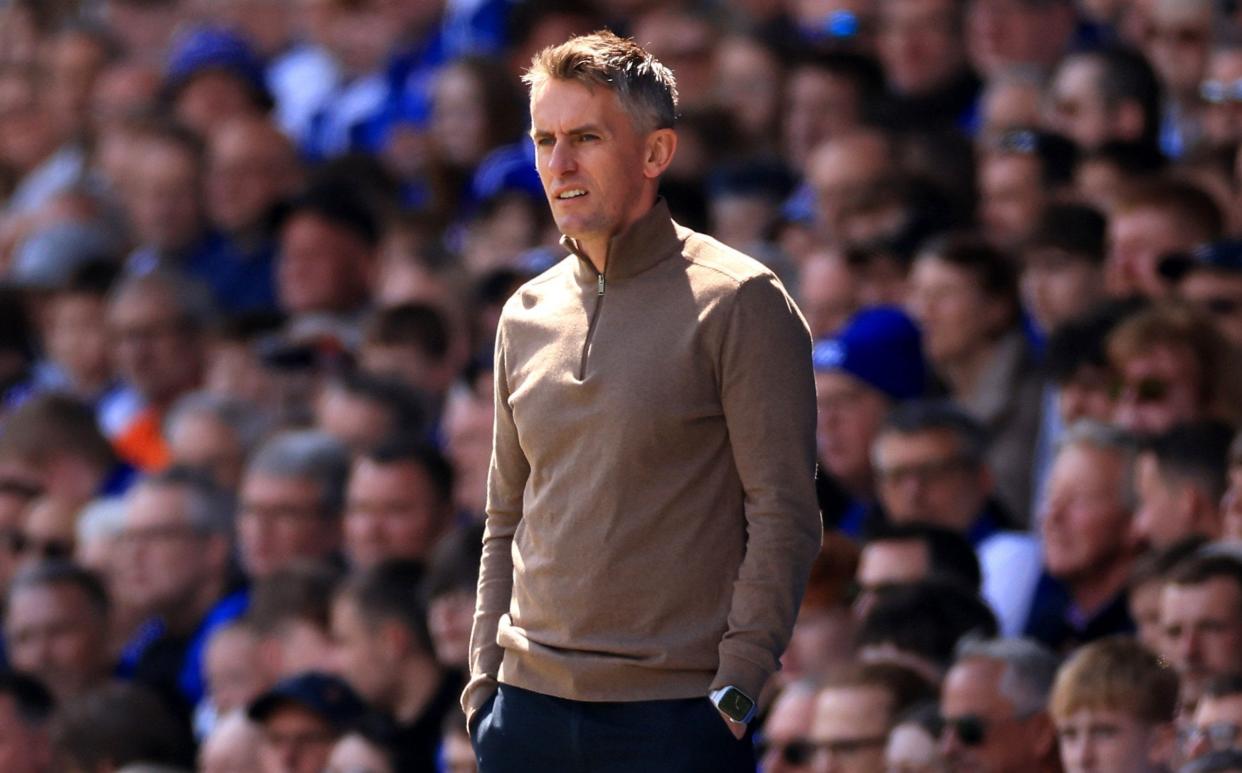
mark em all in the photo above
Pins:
pixel 572 193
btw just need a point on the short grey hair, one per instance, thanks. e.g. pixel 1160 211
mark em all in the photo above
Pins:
pixel 1111 440
pixel 209 508
pixel 245 420
pixel 308 454
pixel 646 88
pixel 1030 669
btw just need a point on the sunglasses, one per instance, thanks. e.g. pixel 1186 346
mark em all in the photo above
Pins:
pixel 1221 92
pixel 1220 736
pixel 798 752
pixel 1145 390
pixel 970 729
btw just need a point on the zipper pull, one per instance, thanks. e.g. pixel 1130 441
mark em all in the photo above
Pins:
pixel 601 284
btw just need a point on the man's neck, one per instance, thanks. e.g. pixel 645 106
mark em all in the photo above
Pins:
pixel 420 680
pixel 963 372
pixel 185 618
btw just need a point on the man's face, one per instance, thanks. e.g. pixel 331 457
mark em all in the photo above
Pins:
pixel 1105 741
pixel 162 561
pixel 1160 387
pixel 1011 191
pixel 1222 121
pixel 924 476
pixel 1076 108
pixel 971 694
pixel 827 293
pixel 162 195
pixel 1058 286
pixel 233 669
pixel 1000 33
pixel 392 511
pixel 919 44
pixel 362 657
pixel 1220 294
pixel 1179 43
pixel 295 741
pixel 281 520
pixel 1202 630
pixel 204 443
pixel 322 266
pixel 23 749
pixel 956 316
pixel 77 337
pixel 1085 524
pixel 155 349
pixel 250 167
pixel 591 158
pixel 788 725
pixel 1164 513
pixel 819 105
pixel 358 422
pixel 849 416
pixel 1087 395
pixel 53 633
pixel 1144 601
pixel 1137 239
pixel 889 562
pixel 1217 725
pixel 849 729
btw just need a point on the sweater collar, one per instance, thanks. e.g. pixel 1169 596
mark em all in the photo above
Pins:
pixel 648 240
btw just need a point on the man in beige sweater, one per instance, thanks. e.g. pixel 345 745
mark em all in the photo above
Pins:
pixel 651 515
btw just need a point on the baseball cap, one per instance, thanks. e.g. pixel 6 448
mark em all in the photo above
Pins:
pixel 1224 255
pixel 880 346
pixel 204 49
pixel 324 695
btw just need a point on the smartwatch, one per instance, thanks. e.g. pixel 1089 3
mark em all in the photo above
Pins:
pixel 734 704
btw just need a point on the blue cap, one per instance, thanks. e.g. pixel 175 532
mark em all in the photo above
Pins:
pixel 327 696
pixel 881 347
pixel 204 49
pixel 1224 255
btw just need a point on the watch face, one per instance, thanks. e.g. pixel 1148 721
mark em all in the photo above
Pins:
pixel 735 704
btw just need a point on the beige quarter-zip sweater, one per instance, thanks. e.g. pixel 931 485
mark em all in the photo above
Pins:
pixel 651 514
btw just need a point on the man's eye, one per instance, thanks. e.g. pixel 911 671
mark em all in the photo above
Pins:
pixel 587 137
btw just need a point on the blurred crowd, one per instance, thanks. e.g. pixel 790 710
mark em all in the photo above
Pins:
pixel 252 257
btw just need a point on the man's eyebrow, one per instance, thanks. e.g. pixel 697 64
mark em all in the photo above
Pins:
pixel 589 128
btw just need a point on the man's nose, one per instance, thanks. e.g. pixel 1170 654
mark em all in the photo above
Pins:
pixel 562 159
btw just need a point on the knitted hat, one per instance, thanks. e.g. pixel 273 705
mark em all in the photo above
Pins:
pixel 881 347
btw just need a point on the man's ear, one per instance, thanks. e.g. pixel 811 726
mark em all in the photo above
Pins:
pixel 661 145
pixel 1044 737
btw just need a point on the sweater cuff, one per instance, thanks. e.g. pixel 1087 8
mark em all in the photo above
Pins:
pixel 477 692
pixel 741 673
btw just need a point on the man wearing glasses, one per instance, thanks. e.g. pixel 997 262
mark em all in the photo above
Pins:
pixel 854 713
pixel 994 703
pixel 1217 724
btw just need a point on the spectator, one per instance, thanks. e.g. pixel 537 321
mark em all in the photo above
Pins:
pixel 56 628
pixel 213 77
pixel 252 169
pixel 1021 172
pixel 1147 581
pixel 232 746
pixel 826 98
pixel 1217 722
pixel 364 411
pixel 1114 705
pixel 386 653
pixel 898 555
pixel 964 294
pixel 854 713
pixel 452 580
pixel 173 563
pixel 1088 546
pixel 233 668
pixel 213 434
pixel 364 749
pixel 290 613
pixel 929 461
pixel 874 363
pixel 291 499
pixel 823 632
pixel 1210 277
pixel 300 719
pixel 156 324
pixel 994 704
pixel 1062 265
pixel 411 343
pixel 920 43
pixel 1178 45
pixel 1155 219
pixel 75 333
pixel 786 746
pixel 1231 503
pixel 919 624
pixel 467 429
pixel 25 709
pixel 1111 94
pixel 115 725
pixel 1168 365
pixel 456 750
pixel 1107 176
pixel 1201 616
pixel 1222 118
pixel 827 292
pixel 842 166
pixel 1180 480
pixel 1004 33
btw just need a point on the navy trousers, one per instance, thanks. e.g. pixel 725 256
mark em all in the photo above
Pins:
pixel 519 731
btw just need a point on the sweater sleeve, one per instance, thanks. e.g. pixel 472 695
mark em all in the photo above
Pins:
pixel 506 481
pixel 768 394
